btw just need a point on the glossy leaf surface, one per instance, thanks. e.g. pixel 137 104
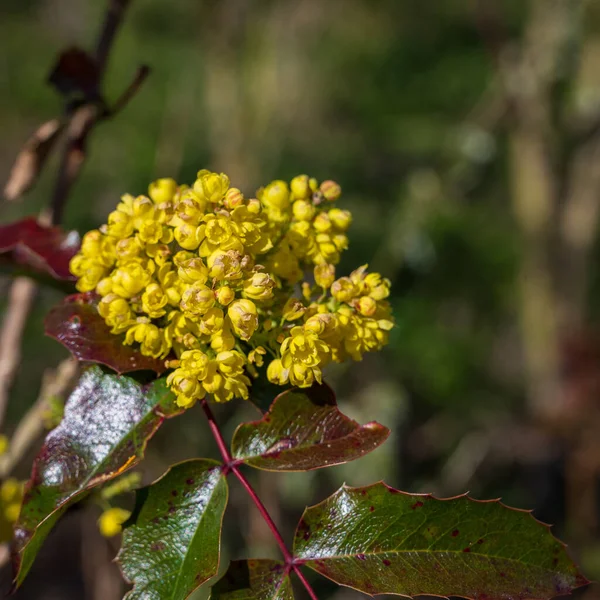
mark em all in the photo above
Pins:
pixel 107 422
pixel 379 541
pixel 171 543
pixel 78 326
pixel 39 248
pixel 305 430
pixel 261 579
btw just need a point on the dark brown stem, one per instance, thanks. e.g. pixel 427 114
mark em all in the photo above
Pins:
pixel 232 466
pixel 112 21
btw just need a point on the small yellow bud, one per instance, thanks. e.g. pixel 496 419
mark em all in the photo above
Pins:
pixel 324 275
pixel 259 286
pixel 254 206
pixel 293 309
pixel 3 444
pixel 244 318
pixel 341 219
pixel 300 187
pixel 211 186
pixel 276 372
pixel 367 306
pixel 162 190
pixel 233 198
pixel 331 190
pixel 303 210
pixel 111 521
pixel 225 295
pixel 276 195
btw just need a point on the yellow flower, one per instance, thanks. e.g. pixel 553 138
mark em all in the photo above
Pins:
pixel 117 313
pixel 256 356
pixel 200 271
pixel 225 295
pixel 88 271
pixel 211 186
pixel 244 318
pixel 277 373
pixel 324 275
pixel 197 299
pixel 303 347
pixel 111 521
pixel 132 277
pixel 149 336
pixel 331 190
pixel 276 195
pixel 154 301
pixel 301 187
pixel 162 190
pixel 4 443
pixel 259 286
pixel 344 290
pixel 293 309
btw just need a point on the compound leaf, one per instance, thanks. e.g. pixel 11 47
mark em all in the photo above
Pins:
pixel 304 430
pixel 382 541
pixel 171 543
pixel 78 326
pixel 259 579
pixel 107 423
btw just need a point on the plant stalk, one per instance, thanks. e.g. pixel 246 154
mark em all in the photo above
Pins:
pixel 231 465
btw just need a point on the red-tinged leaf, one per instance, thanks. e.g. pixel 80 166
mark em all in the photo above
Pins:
pixel 171 544
pixel 78 326
pixel 305 430
pixel 259 579
pixel 382 541
pixel 40 248
pixel 108 420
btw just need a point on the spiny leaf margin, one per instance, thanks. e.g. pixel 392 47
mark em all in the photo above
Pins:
pixel 304 430
pixel 458 567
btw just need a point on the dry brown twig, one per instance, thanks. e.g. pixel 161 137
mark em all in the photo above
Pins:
pixel 81 119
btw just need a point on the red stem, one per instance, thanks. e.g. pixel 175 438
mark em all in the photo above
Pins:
pixel 231 465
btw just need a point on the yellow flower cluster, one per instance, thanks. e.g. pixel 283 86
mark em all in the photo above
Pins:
pixel 213 282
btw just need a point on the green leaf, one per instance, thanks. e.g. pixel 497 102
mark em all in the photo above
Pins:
pixel 107 422
pixel 171 543
pixel 304 430
pixel 382 541
pixel 261 579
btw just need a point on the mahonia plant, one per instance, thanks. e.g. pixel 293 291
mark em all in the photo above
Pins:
pixel 220 296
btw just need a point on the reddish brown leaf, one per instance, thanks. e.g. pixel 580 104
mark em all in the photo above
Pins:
pixel 305 430
pixel 38 247
pixel 78 326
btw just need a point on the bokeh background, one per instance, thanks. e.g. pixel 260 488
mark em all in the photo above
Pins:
pixel 466 137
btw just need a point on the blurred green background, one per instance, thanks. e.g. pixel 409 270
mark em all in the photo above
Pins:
pixel 466 137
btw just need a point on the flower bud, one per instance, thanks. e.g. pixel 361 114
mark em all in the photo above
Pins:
pixel 343 290
pixel 244 318
pixel 341 219
pixel 303 210
pixel 225 295
pixel 366 306
pixel 111 521
pixel 233 198
pixel 293 309
pixel 276 195
pixel 276 373
pixel 324 275
pixel 300 187
pixel 331 190
pixel 162 190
